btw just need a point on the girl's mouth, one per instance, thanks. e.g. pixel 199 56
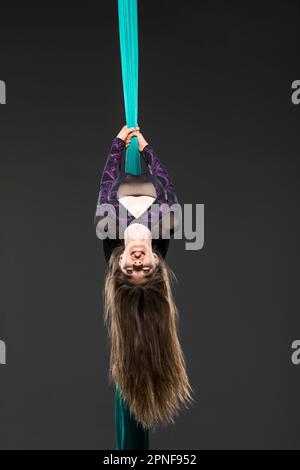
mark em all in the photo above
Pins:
pixel 137 253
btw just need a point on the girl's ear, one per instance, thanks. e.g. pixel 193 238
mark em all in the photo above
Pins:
pixel 156 258
pixel 120 259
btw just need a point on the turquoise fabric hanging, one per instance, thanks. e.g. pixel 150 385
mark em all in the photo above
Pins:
pixel 128 28
pixel 130 435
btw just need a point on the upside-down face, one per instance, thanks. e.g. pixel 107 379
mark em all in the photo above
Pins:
pixel 138 262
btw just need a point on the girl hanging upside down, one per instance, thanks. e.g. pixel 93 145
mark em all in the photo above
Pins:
pixel 135 217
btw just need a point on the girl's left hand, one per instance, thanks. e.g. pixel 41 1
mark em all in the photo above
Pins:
pixel 133 133
pixel 125 132
pixel 141 139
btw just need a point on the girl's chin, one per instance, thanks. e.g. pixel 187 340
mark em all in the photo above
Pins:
pixel 137 232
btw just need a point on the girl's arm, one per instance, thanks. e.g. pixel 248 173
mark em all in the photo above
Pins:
pixel 158 169
pixel 155 166
pixel 169 223
pixel 111 169
pixel 109 175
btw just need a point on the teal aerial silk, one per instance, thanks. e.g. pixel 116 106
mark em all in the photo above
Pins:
pixel 128 30
pixel 130 435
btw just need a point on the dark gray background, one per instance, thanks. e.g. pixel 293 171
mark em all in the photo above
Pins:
pixel 215 102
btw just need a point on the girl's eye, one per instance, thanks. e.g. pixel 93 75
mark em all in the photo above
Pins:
pixel 129 271
pixel 146 270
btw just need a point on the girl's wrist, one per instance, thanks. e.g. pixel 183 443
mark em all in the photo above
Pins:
pixel 143 145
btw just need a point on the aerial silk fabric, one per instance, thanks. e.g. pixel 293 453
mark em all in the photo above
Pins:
pixel 130 435
pixel 128 31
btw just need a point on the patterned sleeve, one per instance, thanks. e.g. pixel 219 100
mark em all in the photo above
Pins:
pixel 157 168
pixel 111 170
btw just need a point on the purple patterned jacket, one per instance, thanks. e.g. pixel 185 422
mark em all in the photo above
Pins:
pixel 111 179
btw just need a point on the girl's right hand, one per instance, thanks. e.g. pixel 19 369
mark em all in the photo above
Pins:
pixel 125 131
pixel 141 139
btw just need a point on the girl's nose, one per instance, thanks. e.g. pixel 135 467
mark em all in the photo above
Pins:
pixel 137 262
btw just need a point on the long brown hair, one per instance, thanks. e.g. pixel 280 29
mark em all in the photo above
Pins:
pixel 146 359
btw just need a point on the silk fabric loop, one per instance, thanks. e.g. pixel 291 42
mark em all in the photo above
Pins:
pixel 129 47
